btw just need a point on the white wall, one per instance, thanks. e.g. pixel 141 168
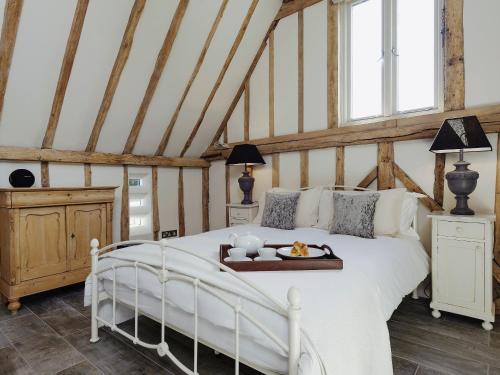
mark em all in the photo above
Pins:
pixel 482 56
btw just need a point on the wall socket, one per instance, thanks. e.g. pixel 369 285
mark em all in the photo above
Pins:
pixel 169 233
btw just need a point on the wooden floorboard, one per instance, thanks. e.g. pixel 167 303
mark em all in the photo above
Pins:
pixel 51 334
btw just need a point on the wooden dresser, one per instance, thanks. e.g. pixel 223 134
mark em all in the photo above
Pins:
pixel 45 237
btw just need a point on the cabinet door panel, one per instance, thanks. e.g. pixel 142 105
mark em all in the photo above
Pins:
pixel 85 222
pixel 460 280
pixel 42 241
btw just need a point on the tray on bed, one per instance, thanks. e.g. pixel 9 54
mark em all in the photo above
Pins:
pixel 328 262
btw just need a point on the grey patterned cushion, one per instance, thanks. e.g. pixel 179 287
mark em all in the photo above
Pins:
pixel 279 210
pixel 354 214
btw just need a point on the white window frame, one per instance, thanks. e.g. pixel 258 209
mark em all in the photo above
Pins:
pixel 144 212
pixel 390 64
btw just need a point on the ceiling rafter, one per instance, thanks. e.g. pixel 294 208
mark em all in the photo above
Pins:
pixel 240 91
pixel 12 15
pixel 114 78
pixel 225 67
pixel 161 61
pixel 65 72
pixel 166 136
pixel 290 7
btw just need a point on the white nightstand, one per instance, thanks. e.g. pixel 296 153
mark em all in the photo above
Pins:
pixel 242 213
pixel 462 270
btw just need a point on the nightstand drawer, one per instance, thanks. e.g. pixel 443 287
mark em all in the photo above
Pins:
pixel 237 221
pixel 240 213
pixel 474 231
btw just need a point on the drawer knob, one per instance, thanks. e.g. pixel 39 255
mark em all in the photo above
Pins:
pixel 459 229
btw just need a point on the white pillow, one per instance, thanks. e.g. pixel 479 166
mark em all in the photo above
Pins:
pixel 307 208
pixel 408 211
pixel 387 218
pixel 325 211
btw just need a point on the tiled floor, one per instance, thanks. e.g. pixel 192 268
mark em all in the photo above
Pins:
pixel 50 335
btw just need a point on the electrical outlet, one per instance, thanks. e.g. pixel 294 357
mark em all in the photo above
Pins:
pixel 169 233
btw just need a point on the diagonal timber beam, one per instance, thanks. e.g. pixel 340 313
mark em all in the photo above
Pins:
pixel 161 61
pixel 223 71
pixel 166 136
pixel 12 15
pixel 240 91
pixel 290 7
pixel 114 78
pixel 65 73
pixel 369 178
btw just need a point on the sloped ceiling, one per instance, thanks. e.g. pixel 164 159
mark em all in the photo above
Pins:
pixel 42 34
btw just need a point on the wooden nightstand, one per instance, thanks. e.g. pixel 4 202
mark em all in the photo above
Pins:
pixel 462 270
pixel 240 214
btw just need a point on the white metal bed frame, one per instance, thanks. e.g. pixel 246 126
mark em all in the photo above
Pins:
pixel 297 337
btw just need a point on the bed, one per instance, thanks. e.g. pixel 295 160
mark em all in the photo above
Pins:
pixel 333 322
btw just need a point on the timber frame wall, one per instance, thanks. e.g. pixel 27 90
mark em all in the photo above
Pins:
pixel 383 132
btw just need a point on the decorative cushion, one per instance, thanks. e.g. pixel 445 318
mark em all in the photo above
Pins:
pixel 262 203
pixel 325 211
pixel 279 210
pixel 354 214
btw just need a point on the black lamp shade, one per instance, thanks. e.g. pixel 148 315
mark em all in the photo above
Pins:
pixel 245 154
pixel 463 133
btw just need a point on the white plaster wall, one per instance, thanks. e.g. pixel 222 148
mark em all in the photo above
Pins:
pixel 192 200
pixel 259 98
pixel 322 167
pixel 290 170
pixel 235 128
pixel 217 206
pixel 7 167
pixel 168 198
pixel 263 175
pixel 64 175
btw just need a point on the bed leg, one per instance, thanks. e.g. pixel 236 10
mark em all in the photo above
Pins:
pixel 293 330
pixel 94 252
pixel 414 294
pixel 216 353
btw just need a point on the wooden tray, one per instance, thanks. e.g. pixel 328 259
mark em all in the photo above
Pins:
pixel 328 262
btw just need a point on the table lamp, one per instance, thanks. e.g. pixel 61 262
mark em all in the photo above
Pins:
pixel 245 154
pixel 463 134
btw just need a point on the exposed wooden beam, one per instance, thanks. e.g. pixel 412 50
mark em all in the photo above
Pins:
pixel 497 223
pixel 369 178
pixel 154 198
pixel 180 204
pixel 65 72
pixel 246 113
pixel 304 168
pixel 407 128
pixel 237 97
pixel 385 166
pixel 339 166
pixel 87 170
pixel 12 15
pixel 271 83
pixel 222 73
pixel 125 214
pixel 276 170
pixel 44 171
pixel 411 185
pixel 168 131
pixel 300 75
pixel 161 61
pixel 454 71
pixel 290 7
pixel 439 166
pixel 114 78
pixel 205 198
pixel 332 64
pixel 82 157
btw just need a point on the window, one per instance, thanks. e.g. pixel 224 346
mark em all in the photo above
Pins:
pixel 139 205
pixel 391 57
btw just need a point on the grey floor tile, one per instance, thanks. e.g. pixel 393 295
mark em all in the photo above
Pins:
pixel 6 314
pixel 4 341
pixel 43 302
pixel 437 359
pixel 48 354
pixel 12 363
pixel 65 320
pixel 82 368
pixel 428 371
pixel 494 371
pixel 75 300
pixel 25 326
pixel 129 363
pixel 402 366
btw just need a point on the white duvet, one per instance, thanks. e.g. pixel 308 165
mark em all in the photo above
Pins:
pixel 344 312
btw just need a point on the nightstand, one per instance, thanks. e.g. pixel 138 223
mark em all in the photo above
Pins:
pixel 240 214
pixel 462 270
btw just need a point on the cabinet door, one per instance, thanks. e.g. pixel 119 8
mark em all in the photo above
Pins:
pixel 85 222
pixel 460 273
pixel 42 241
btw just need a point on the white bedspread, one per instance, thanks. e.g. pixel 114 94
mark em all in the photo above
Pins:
pixel 344 311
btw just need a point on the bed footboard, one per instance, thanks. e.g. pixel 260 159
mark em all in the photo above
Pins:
pixel 296 337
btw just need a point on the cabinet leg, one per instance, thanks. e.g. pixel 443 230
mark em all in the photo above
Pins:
pixel 414 294
pixel 436 314
pixel 14 305
pixel 487 326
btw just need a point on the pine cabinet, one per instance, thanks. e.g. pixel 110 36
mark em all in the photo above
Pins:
pixel 462 275
pixel 45 237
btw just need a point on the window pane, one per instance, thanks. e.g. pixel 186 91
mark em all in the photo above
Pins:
pixel 366 59
pixel 416 48
pixel 134 182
